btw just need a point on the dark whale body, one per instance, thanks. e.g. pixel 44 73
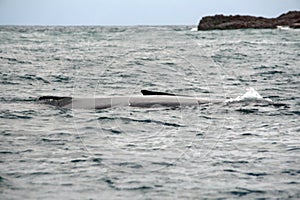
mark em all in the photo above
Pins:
pixel 149 99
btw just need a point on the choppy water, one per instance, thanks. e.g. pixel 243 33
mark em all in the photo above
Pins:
pixel 243 149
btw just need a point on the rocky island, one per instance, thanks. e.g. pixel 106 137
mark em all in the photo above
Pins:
pixel 222 22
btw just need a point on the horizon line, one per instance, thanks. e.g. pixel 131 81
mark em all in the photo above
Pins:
pixel 99 25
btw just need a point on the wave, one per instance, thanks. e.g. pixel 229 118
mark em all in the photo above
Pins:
pixel 251 95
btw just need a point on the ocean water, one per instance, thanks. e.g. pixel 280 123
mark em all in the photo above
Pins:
pixel 242 148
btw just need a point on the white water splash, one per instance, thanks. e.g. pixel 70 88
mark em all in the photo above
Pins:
pixel 250 95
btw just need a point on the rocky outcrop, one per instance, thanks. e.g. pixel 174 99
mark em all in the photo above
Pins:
pixel 221 22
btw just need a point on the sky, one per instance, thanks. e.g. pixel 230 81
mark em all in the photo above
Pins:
pixel 133 12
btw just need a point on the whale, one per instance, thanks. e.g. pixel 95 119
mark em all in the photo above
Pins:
pixel 150 99
pixel 147 100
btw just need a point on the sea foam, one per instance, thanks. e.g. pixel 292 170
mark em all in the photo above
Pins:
pixel 250 95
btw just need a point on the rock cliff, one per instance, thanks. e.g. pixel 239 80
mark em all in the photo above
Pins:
pixel 221 22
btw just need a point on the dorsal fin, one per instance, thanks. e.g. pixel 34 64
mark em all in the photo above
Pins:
pixel 148 92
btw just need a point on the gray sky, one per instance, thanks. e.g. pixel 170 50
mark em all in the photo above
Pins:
pixel 132 12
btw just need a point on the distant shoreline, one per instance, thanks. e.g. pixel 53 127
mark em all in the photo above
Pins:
pixel 221 22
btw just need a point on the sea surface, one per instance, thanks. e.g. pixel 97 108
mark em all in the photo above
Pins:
pixel 242 148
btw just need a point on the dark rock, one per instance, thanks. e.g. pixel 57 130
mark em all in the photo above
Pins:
pixel 221 22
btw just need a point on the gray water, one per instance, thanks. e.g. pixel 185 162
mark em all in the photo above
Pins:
pixel 243 149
